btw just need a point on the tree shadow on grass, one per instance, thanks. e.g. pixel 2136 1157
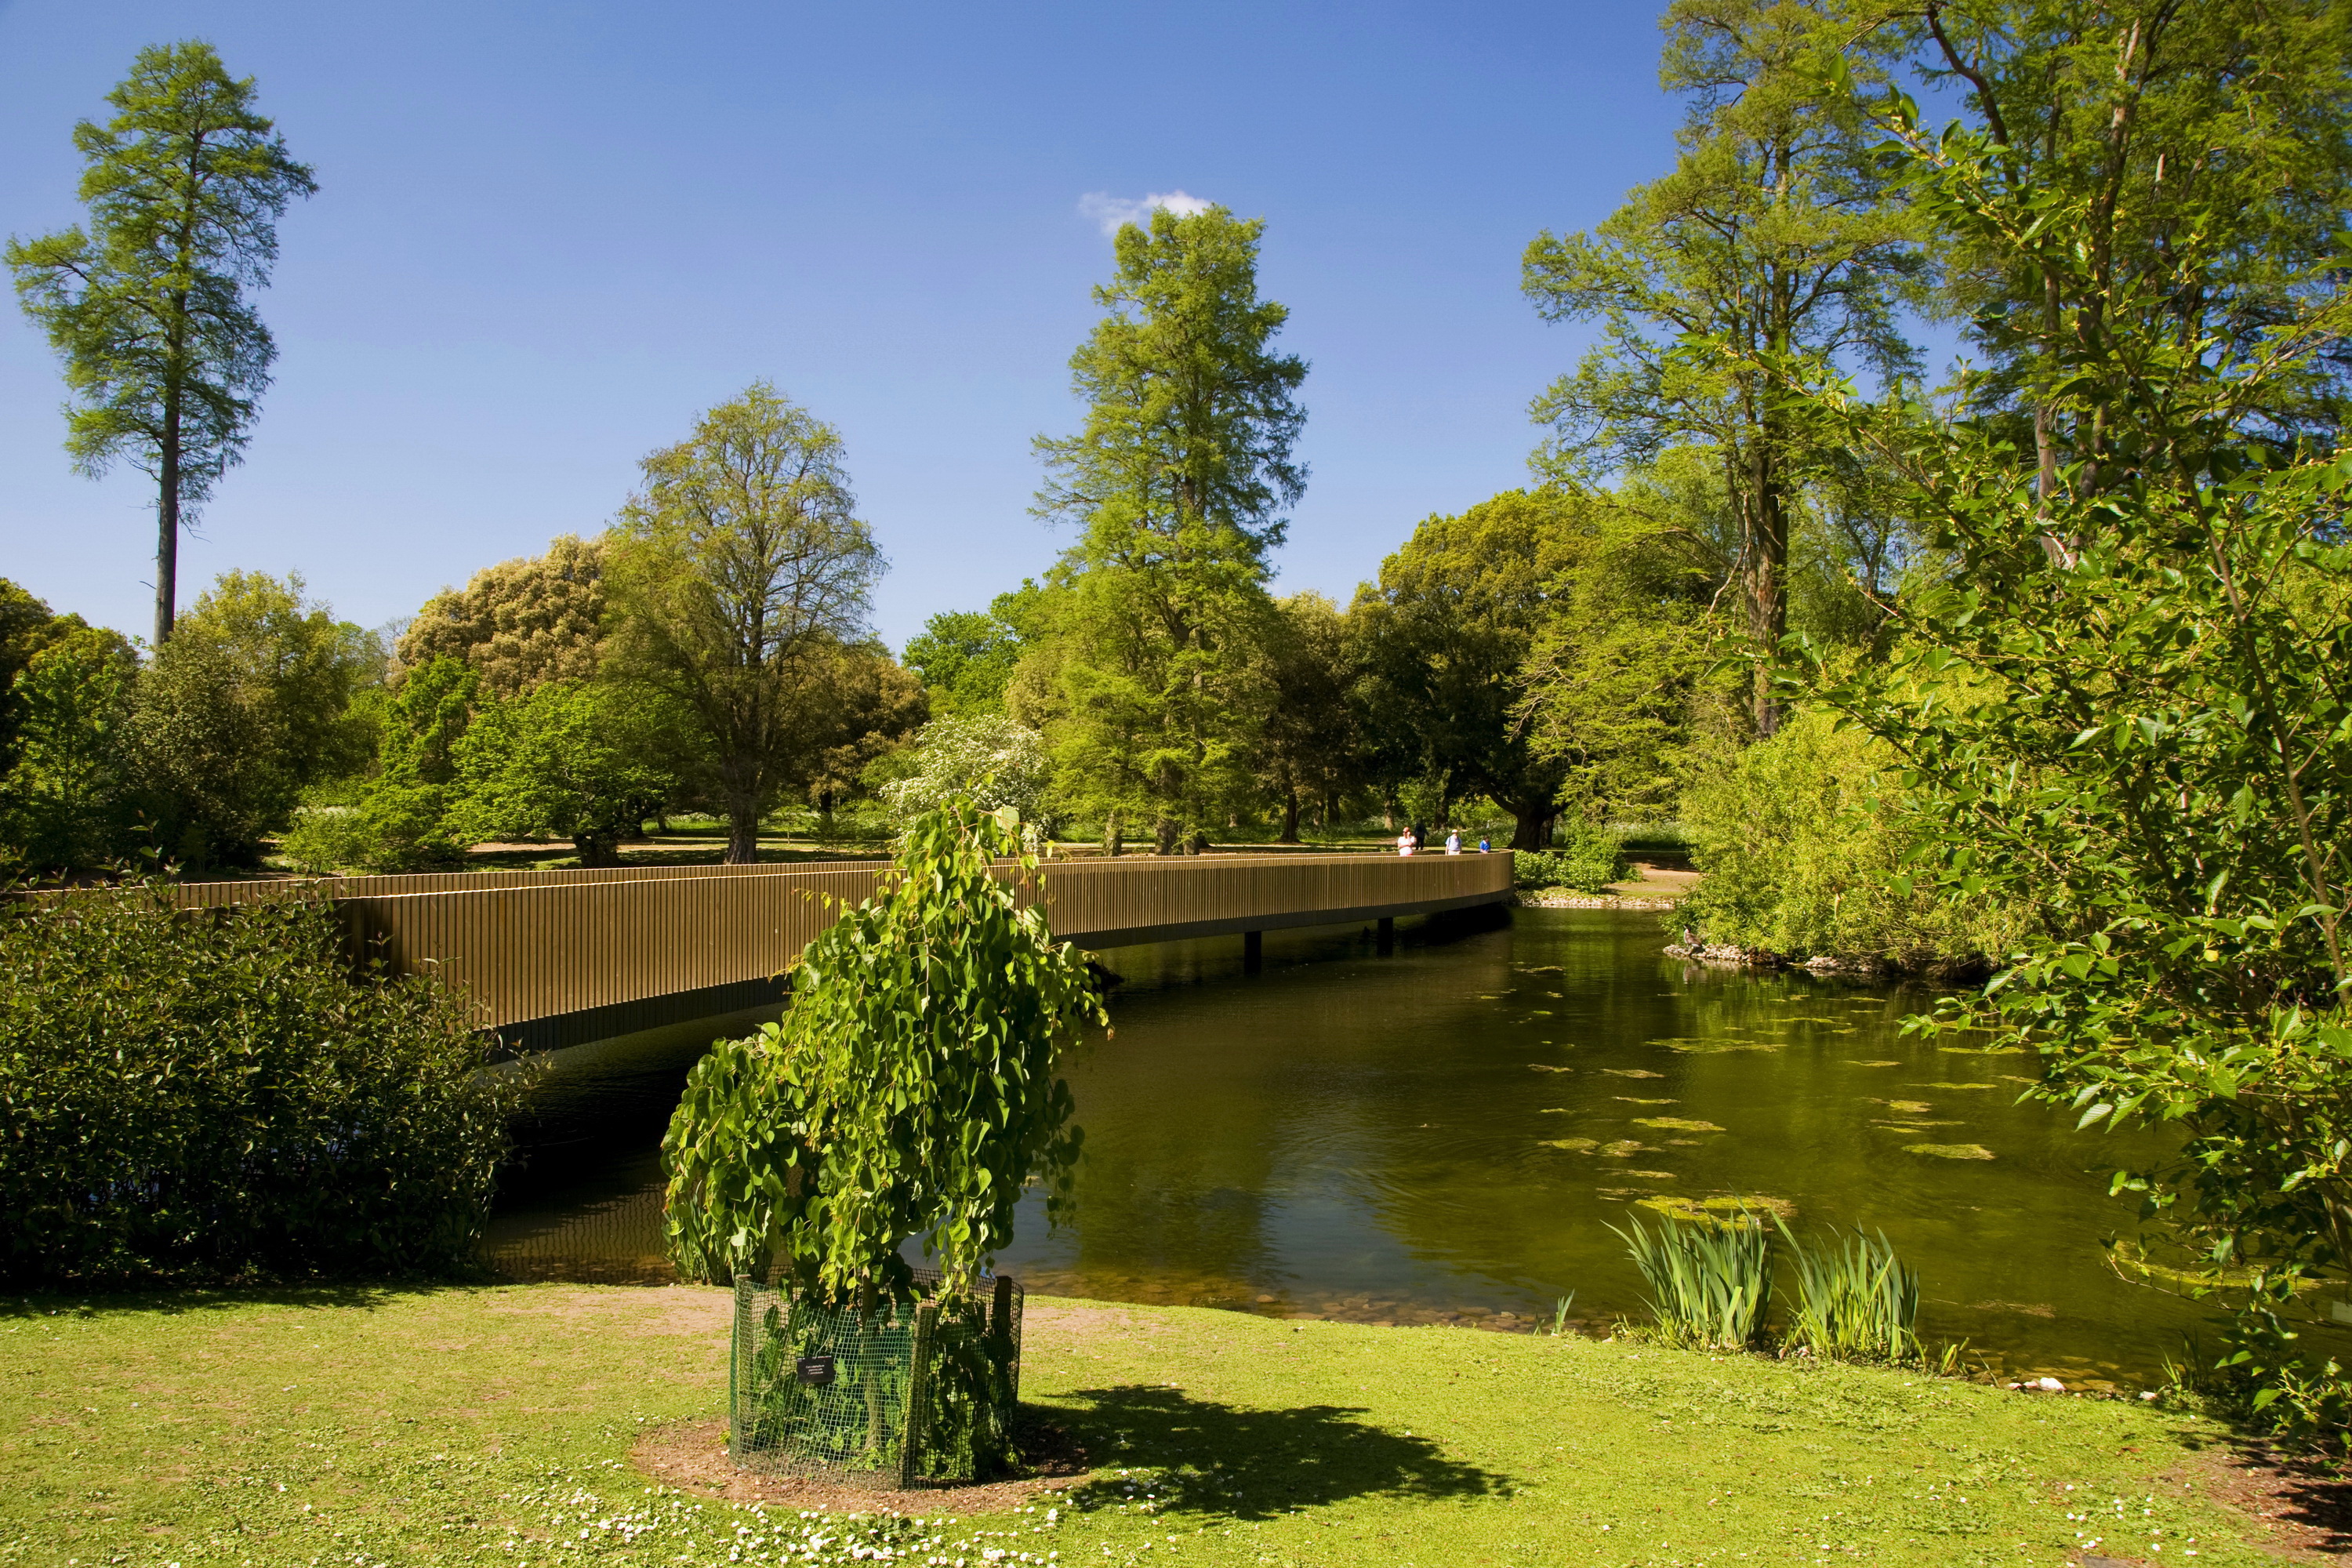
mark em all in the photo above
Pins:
pixel 174 1301
pixel 1224 1461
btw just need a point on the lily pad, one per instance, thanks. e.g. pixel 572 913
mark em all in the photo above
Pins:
pixel 1630 1072
pixel 1631 1100
pixel 1547 1066
pixel 1573 1145
pixel 1952 1086
pixel 1719 1208
pixel 1675 1124
pixel 1907 1107
pixel 1654 1176
pixel 1624 1149
pixel 1949 1151
pixel 1878 1064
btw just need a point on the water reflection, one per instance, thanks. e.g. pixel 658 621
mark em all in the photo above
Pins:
pixel 1448 1132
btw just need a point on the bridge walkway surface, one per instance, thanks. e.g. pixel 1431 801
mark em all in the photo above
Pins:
pixel 557 958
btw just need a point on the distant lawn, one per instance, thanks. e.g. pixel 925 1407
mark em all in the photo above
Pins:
pixel 493 1424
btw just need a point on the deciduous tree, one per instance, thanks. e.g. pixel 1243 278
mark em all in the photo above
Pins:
pixel 520 623
pixel 1772 232
pixel 738 570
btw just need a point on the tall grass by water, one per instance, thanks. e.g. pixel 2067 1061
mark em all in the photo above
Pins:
pixel 1709 1284
pixel 1856 1300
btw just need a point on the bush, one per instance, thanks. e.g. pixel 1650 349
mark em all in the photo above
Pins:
pixel 216 1095
pixel 1588 861
pixel 1803 841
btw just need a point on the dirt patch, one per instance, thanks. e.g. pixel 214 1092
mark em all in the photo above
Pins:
pixel 692 1457
pixel 2298 1509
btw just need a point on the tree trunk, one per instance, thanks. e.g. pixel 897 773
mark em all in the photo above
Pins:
pixel 1530 824
pixel 596 852
pixel 1114 837
pixel 1290 816
pixel 1768 575
pixel 167 521
pixel 742 831
pixel 1163 835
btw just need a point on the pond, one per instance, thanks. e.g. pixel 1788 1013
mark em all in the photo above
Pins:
pixel 1450 1131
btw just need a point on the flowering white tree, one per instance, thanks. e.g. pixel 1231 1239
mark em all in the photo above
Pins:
pixel 984 758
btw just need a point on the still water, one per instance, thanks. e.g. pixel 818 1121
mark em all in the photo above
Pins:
pixel 1448 1132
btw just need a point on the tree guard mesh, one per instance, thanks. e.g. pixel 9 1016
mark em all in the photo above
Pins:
pixel 821 1389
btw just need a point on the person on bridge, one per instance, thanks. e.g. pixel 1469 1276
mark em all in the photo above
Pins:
pixel 1454 841
pixel 1485 847
pixel 1404 842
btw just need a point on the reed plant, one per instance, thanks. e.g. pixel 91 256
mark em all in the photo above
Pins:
pixel 1856 1300
pixel 1709 1283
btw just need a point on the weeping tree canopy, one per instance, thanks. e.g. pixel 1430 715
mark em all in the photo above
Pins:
pixel 909 1090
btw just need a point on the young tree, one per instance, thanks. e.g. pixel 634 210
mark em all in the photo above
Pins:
pixel 579 760
pixel 240 711
pixel 1773 234
pixel 1178 481
pixel 736 571
pixel 164 354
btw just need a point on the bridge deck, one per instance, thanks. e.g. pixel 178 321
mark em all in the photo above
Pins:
pixel 556 957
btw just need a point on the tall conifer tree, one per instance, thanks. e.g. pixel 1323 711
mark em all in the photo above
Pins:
pixel 164 354
pixel 1178 480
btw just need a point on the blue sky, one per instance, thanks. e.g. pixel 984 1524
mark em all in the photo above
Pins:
pixel 547 235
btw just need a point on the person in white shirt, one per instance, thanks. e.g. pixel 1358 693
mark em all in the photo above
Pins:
pixel 1404 842
pixel 1454 841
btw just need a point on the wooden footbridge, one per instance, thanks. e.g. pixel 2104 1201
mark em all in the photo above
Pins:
pixel 554 958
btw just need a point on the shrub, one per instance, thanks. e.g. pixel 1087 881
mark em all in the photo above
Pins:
pixel 1803 841
pixel 1588 860
pixel 218 1095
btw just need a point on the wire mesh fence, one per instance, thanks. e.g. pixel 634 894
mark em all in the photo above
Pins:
pixel 911 1391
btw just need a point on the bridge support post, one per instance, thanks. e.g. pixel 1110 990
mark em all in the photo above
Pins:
pixel 1387 935
pixel 1252 951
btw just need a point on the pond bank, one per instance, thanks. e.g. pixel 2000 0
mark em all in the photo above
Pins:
pixel 452 1425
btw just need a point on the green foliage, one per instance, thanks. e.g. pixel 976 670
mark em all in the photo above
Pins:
pixel 1709 1283
pixel 1771 233
pixel 1587 862
pixel 217 1095
pixel 1447 635
pixel 1310 743
pixel 1144 684
pixel 246 706
pixel 1856 1300
pixel 2131 702
pixel 1804 839
pixel 739 574
pixel 64 802
pixel 583 761
pixel 163 353
pixel 907 1093
pixel 967 658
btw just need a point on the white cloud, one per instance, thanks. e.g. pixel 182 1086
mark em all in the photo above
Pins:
pixel 1115 212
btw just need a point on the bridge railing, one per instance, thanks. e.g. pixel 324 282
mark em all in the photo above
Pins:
pixel 605 951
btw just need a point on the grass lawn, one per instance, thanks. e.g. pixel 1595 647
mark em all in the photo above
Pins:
pixel 477 1425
